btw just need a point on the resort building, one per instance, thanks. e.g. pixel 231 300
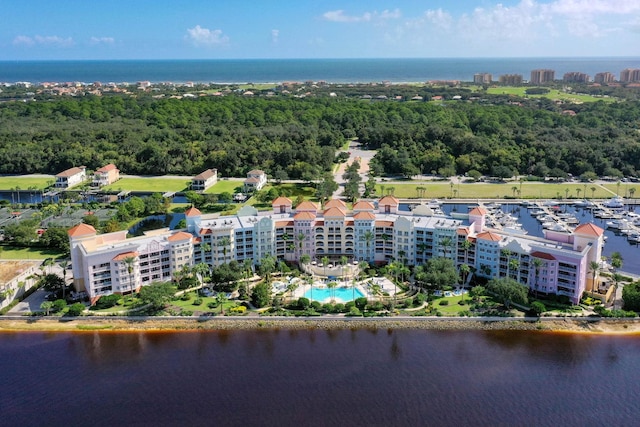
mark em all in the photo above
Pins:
pixel 256 179
pixel 604 78
pixel 575 77
pixel 630 75
pixel 510 79
pixel 542 76
pixel 106 175
pixel 204 180
pixel 71 177
pixel 373 231
pixel 482 78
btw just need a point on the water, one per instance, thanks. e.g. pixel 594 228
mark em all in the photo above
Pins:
pixel 615 242
pixel 280 70
pixel 319 377
pixel 339 294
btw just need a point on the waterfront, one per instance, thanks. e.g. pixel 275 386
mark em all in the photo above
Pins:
pixel 319 377
pixel 395 70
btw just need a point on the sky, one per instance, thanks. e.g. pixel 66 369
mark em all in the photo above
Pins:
pixel 230 29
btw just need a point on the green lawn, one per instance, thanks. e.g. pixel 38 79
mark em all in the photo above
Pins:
pixel 453 308
pixel 225 186
pixel 188 304
pixel 530 190
pixel 553 94
pixel 624 188
pixel 24 182
pixel 10 252
pixel 151 184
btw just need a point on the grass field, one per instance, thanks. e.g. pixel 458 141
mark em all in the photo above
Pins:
pixel 553 94
pixel 10 252
pixel 624 188
pixel 151 184
pixel 530 190
pixel 24 182
pixel 225 186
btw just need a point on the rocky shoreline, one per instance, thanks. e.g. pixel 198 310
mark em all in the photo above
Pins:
pixel 174 324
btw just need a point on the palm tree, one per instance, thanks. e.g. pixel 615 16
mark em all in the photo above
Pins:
pixel 325 261
pixel 247 268
pixel 64 264
pixel 593 192
pixel 46 306
pixel 221 298
pixel 513 265
pixel 566 193
pixel 368 237
pixel 632 191
pixel 616 260
pixel 594 267
pixel 305 259
pixel 506 253
pixel 446 243
pixel 300 238
pixel 200 270
pixel 537 263
pixel 376 290
pixel 129 262
pixel 343 262
pixel 464 270
pixel 285 238
pixel 204 248
pixel 224 242
pixel 309 280
pixel 291 288
pixel 578 191
pixel 332 286
pixel 466 245
pixel 618 187
pixel 514 189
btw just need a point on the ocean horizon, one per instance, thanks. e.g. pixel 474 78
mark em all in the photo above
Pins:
pixel 362 70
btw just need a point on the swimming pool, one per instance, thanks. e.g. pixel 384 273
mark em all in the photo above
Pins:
pixel 339 294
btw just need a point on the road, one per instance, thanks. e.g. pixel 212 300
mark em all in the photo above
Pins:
pixel 355 151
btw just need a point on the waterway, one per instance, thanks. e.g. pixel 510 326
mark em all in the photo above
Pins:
pixel 319 377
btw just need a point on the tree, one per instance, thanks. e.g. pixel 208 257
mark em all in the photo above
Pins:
pixel 368 237
pixel 129 262
pixel 538 308
pixel 75 309
pixel 508 290
pixel 537 263
pixel 594 268
pixel 56 238
pixel 616 260
pixel 46 306
pixel 464 270
pixel 477 292
pixel 157 295
pixel 221 298
pixel 261 295
pixel 224 242
pixel 325 262
pixel 64 264
pixel 332 286
pixel 266 267
pixel 437 273
pixel 300 237
pixel 446 243
pixel 631 296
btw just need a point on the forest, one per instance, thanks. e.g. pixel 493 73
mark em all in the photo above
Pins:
pixel 297 138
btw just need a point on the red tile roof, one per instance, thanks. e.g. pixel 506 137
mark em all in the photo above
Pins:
pixel 180 235
pixel 69 172
pixel 334 212
pixel 363 206
pixel 192 211
pixel 478 211
pixel 589 229
pixel 206 174
pixel 335 203
pixel 304 216
pixel 307 206
pixel 488 235
pixel 122 256
pixel 279 201
pixel 81 229
pixel 364 216
pixel 389 200
pixel 106 168
pixel 542 255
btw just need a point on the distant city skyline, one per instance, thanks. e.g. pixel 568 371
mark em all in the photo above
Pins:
pixel 198 29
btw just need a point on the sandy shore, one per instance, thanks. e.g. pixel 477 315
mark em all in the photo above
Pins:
pixel 568 325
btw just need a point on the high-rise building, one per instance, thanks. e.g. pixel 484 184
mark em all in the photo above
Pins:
pixel 629 75
pixel 541 76
pixel 575 77
pixel 482 78
pixel 604 78
pixel 511 79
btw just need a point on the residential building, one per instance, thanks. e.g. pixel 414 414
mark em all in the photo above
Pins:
pixel 510 79
pixel 204 180
pixel 630 75
pixel 604 78
pixel 542 76
pixel 71 177
pixel 373 231
pixel 575 77
pixel 482 78
pixel 106 175
pixel 256 179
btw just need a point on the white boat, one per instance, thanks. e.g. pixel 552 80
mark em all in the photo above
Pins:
pixel 616 202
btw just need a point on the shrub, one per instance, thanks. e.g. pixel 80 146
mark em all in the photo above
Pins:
pixel 75 309
pixel 186 313
pixel 419 299
pixel 212 305
pixel 354 312
pixel 316 306
pixel 185 297
pixel 443 302
pixel 58 305
pixel 361 303
pixel 241 309
pixel 339 308
pixel 197 301
pixel 303 303
pixel 107 301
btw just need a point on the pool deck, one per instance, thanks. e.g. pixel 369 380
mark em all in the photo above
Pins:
pixel 364 286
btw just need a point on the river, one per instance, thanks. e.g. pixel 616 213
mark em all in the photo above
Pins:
pixel 319 377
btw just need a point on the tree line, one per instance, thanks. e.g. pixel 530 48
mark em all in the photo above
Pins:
pixel 297 138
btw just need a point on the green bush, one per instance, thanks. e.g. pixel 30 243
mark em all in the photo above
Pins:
pixel 303 303
pixel 339 308
pixel 107 301
pixel 419 299
pixel 75 309
pixel 185 297
pixel 316 306
pixel 443 302
pixel 58 305
pixel 212 305
pixel 197 301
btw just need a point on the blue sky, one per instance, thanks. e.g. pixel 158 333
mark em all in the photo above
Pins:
pixel 174 29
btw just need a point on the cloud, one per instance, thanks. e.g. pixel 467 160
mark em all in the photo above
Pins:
pixel 274 36
pixel 101 40
pixel 205 37
pixel 340 16
pixel 588 7
pixel 54 41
